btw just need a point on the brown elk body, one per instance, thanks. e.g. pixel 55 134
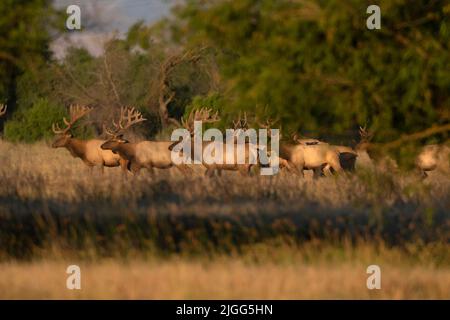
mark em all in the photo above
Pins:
pixel 240 126
pixel 144 154
pixel 88 151
pixel 347 155
pixel 310 157
pixel 249 150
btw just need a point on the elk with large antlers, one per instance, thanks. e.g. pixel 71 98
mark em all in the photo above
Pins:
pixel 227 161
pixel 88 151
pixel 2 109
pixel 144 154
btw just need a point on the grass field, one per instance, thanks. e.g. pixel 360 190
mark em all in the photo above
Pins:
pixel 174 236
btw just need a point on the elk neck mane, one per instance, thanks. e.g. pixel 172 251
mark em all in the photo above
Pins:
pixel 126 150
pixel 77 148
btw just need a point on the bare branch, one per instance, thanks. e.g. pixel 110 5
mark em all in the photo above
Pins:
pixel 109 76
pixel 166 94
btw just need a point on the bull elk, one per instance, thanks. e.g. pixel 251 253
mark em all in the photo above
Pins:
pixel 306 154
pixel 2 110
pixel 229 161
pixel 144 154
pixel 88 151
pixel 207 116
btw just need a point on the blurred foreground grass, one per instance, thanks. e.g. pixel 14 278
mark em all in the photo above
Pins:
pixel 309 273
pixel 174 236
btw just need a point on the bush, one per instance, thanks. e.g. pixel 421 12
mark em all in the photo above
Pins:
pixel 34 123
pixel 213 101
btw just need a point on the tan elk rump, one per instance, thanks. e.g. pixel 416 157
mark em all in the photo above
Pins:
pixel 89 151
pixel 433 157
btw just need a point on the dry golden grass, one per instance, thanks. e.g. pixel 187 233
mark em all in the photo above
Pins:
pixel 220 279
pixel 172 236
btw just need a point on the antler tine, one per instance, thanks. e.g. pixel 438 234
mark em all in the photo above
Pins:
pixel 241 123
pixel 365 134
pixel 245 122
pixel 268 124
pixel 109 132
pixel 76 113
pixel 131 116
pixel 203 114
pixel 57 130
pixel 207 117
pixel 2 109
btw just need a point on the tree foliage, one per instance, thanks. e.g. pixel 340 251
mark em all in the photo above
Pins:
pixel 25 33
pixel 35 123
pixel 316 66
pixel 312 64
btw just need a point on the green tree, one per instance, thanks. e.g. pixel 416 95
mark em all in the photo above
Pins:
pixel 25 34
pixel 316 66
pixel 35 123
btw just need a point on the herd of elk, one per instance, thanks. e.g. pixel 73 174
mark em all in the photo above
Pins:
pixel 296 155
pixel 89 151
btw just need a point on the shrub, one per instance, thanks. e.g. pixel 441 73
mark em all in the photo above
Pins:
pixel 34 123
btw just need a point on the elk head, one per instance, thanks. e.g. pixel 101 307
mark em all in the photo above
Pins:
pixel 365 138
pixel 128 117
pixel 64 135
pixel 2 110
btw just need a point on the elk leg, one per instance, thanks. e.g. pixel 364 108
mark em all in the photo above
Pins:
pixel 327 170
pixel 184 169
pixel 299 169
pixel 244 170
pixel 210 170
pixel 317 173
pixel 151 170
pixel 423 174
pixel 336 166
pixel 124 167
pixel 134 168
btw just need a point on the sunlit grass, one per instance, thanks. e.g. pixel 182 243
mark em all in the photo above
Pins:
pixel 239 237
